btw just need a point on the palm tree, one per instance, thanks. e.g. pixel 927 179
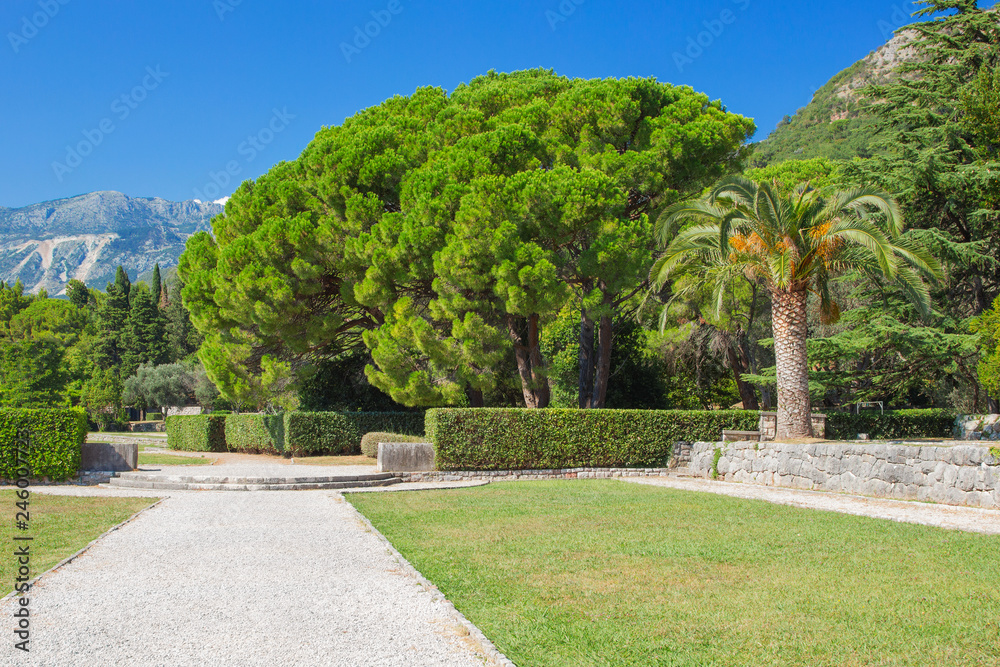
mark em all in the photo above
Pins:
pixel 793 244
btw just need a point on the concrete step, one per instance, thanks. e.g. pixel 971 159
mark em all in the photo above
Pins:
pixel 139 480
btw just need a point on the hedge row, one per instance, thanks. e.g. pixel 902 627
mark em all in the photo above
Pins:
pixel 890 425
pixel 197 433
pixel 297 433
pixel 511 438
pixel 255 434
pixel 332 433
pixel 55 441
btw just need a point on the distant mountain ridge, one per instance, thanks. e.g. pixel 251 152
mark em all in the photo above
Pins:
pixel 86 237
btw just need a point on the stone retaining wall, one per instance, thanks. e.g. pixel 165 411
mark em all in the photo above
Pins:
pixel 953 475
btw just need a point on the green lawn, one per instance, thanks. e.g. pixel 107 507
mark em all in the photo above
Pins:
pixel 172 460
pixel 610 573
pixel 61 526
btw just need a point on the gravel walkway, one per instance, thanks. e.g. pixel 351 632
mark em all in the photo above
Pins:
pixel 970 519
pixel 271 578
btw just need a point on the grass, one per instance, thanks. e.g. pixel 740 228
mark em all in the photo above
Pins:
pixel 61 526
pixel 172 460
pixel 342 460
pixel 611 573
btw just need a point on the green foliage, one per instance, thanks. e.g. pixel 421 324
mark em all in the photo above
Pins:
pixel 369 441
pixel 31 373
pixel 56 437
pixel 156 286
pixel 334 433
pixel 987 326
pixel 255 434
pixel 818 172
pixel 77 293
pixel 159 386
pixel 716 457
pixel 934 423
pixel 144 339
pixel 340 385
pixel 197 433
pixel 182 338
pixel 511 439
pixel 154 416
pixel 448 229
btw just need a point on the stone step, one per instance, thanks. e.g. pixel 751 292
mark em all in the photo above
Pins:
pixel 208 483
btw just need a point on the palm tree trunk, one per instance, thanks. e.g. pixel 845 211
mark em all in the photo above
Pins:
pixel 790 331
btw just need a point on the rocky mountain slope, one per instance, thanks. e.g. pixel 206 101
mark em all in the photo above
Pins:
pixel 88 236
pixel 834 124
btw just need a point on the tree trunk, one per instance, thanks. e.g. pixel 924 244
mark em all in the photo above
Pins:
pixel 539 381
pixel 739 365
pixel 586 386
pixel 790 332
pixel 992 406
pixel 475 398
pixel 603 365
pixel 534 387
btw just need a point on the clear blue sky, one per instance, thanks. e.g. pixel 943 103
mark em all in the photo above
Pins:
pixel 158 95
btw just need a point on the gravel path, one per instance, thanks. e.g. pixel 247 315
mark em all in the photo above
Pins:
pixel 270 578
pixel 970 519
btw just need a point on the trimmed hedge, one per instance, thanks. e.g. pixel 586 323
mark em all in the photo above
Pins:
pixel 369 441
pixel 335 433
pixel 514 438
pixel 197 433
pixel 932 423
pixel 255 434
pixel 154 416
pixel 56 441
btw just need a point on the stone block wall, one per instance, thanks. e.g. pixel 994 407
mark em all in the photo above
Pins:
pixel 955 475
pixel 977 427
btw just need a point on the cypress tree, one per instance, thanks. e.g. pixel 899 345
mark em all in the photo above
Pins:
pixel 157 285
pixel 122 281
pixel 144 338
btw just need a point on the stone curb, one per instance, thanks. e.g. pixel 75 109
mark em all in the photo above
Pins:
pixel 70 559
pixel 486 647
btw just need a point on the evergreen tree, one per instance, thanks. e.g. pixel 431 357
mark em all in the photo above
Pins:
pixel 182 338
pixel 157 285
pixel 122 281
pixel 112 315
pixel 144 339
pixel 77 293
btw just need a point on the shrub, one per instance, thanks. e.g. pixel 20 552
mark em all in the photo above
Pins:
pixel 334 433
pixel 505 438
pixel 197 433
pixel 255 434
pixel 154 416
pixel 369 441
pixel 888 425
pixel 56 440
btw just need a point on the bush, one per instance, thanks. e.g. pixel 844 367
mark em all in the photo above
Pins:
pixel 511 439
pixel 154 416
pixel 369 441
pixel 197 433
pixel 255 434
pixel 889 425
pixel 56 441
pixel 334 433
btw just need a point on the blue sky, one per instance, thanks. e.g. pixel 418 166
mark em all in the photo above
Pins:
pixel 186 98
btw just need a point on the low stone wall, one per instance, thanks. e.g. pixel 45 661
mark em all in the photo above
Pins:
pixel 953 475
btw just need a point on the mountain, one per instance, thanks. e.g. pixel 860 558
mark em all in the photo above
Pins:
pixel 834 124
pixel 86 237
